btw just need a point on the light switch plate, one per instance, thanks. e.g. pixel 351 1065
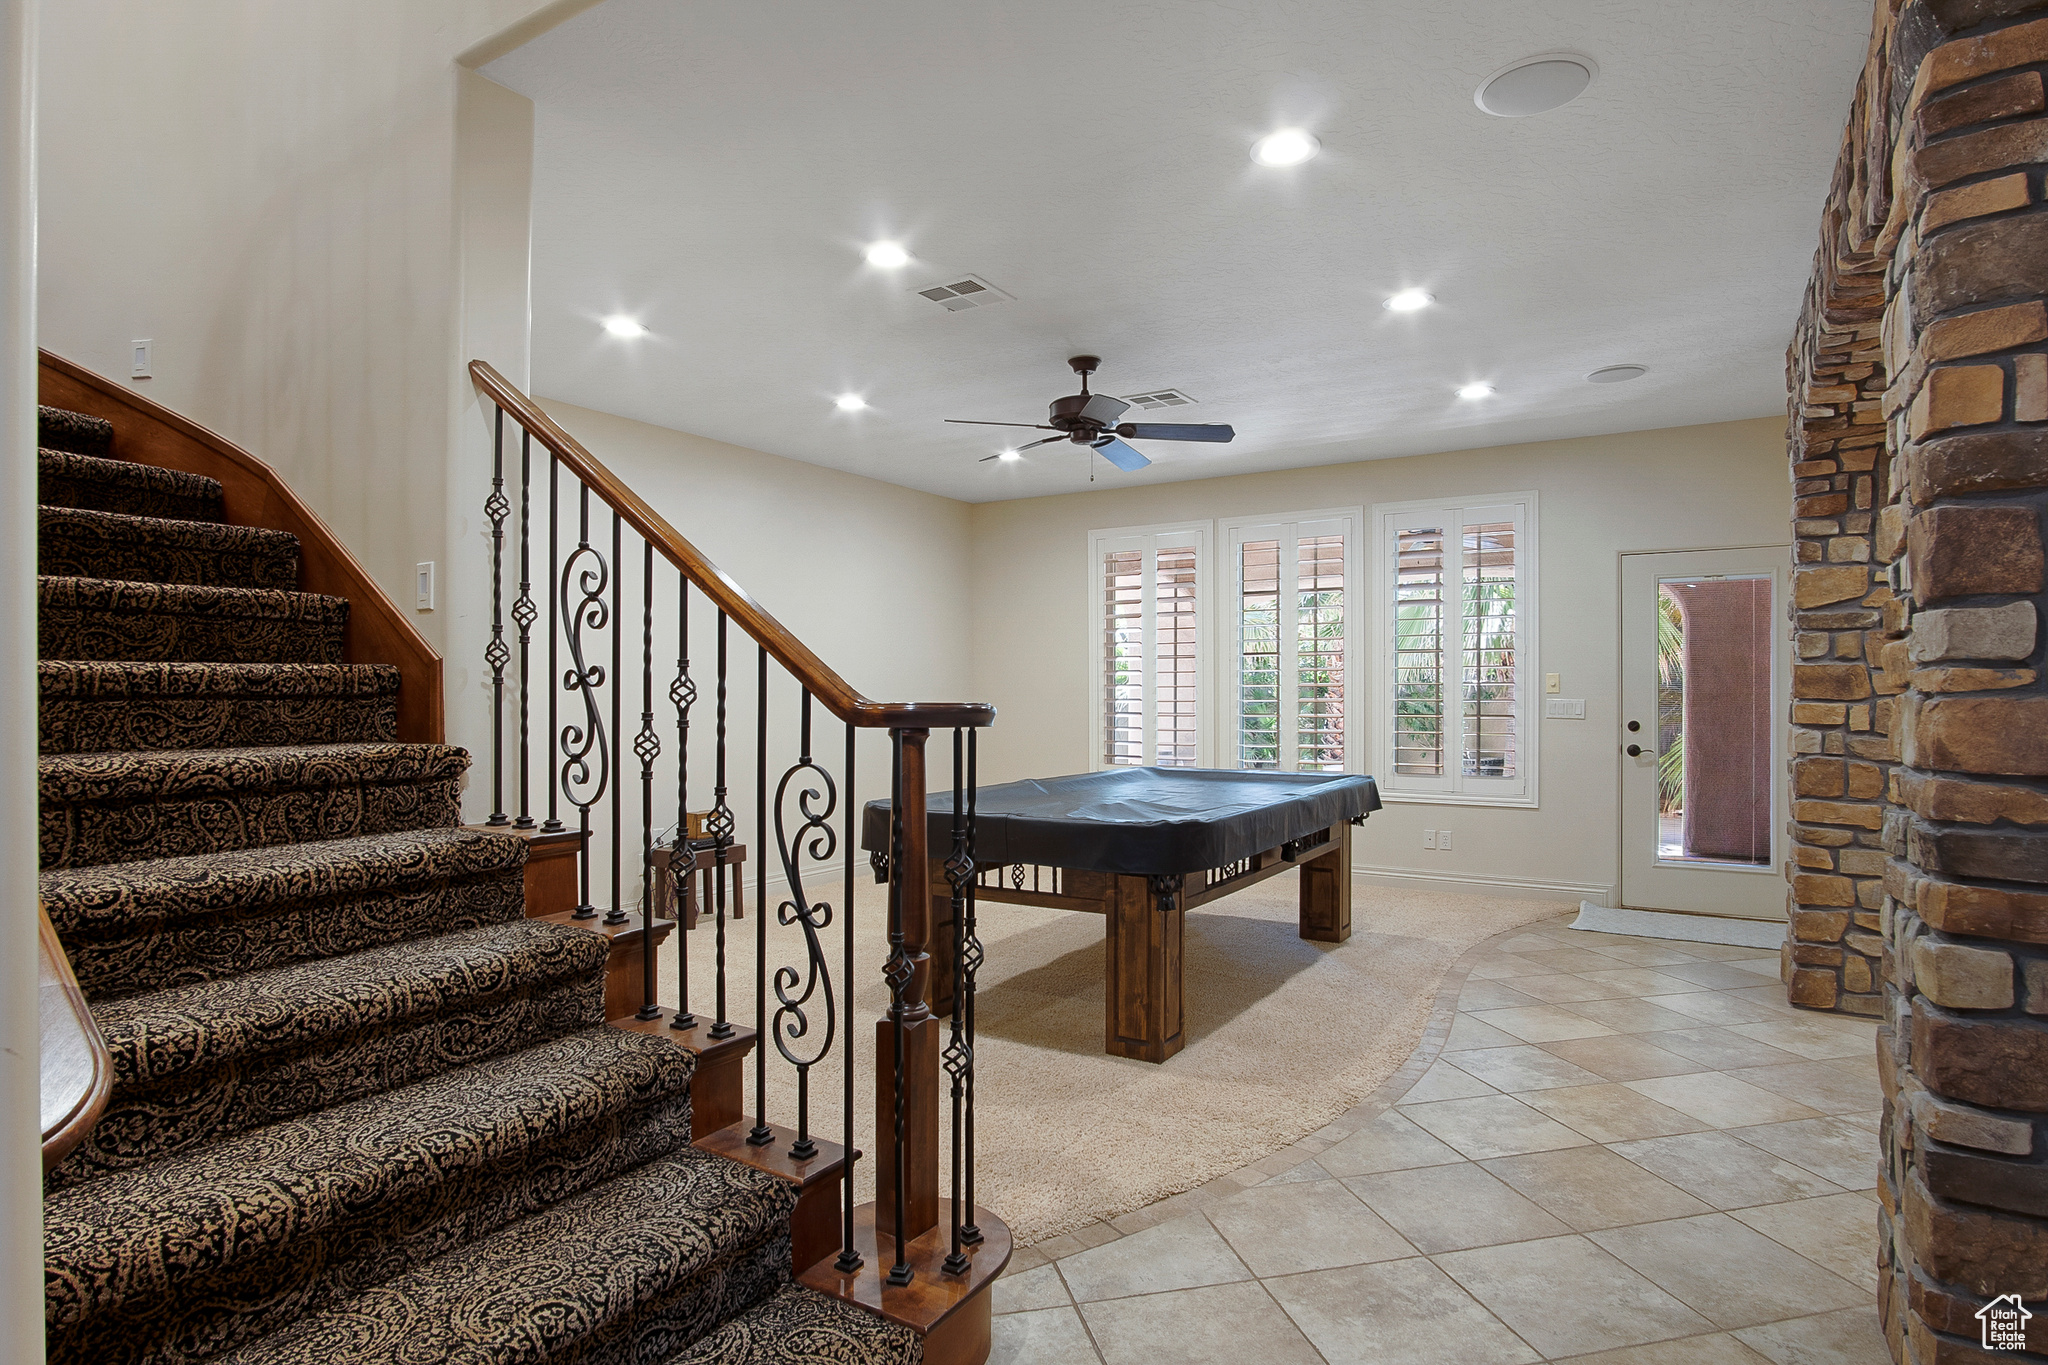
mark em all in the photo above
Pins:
pixel 139 366
pixel 423 585
pixel 1553 682
pixel 1564 708
pixel 1429 838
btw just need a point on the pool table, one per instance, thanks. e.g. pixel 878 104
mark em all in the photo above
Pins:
pixel 1141 847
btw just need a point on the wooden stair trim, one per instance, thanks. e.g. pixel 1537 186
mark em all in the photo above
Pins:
pixel 951 1312
pixel 378 631
pixel 77 1069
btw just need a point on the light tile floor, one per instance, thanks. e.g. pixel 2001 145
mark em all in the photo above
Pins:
pixel 1608 1150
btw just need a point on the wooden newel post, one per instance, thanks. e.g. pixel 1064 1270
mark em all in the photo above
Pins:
pixel 921 1030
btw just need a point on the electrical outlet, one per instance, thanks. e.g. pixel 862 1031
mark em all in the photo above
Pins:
pixel 1429 838
pixel 423 585
pixel 138 359
pixel 1443 840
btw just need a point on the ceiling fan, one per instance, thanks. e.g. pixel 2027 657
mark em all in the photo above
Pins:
pixel 1089 419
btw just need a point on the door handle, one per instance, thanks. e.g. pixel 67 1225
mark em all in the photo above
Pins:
pixel 1634 751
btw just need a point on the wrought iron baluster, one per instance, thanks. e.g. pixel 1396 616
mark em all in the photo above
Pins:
pixel 524 614
pixel 957 1057
pixel 792 1023
pixel 897 972
pixel 647 747
pixel 553 824
pixel 719 826
pixel 964 985
pixel 760 1135
pixel 849 1257
pixel 584 784
pixel 683 693
pixel 617 913
pixel 495 653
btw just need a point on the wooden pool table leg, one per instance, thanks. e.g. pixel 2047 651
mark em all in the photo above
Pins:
pixel 942 940
pixel 1326 891
pixel 1142 1014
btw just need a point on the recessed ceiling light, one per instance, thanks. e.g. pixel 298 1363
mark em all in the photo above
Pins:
pixel 619 325
pixel 887 255
pixel 850 402
pixel 1408 300
pixel 1009 455
pixel 1536 85
pixel 1288 147
pixel 1618 374
pixel 1476 390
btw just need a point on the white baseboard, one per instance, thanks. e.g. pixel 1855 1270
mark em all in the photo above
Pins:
pixel 1525 888
pixel 1742 933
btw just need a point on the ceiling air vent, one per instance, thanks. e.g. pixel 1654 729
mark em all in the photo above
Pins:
pixel 1158 398
pixel 969 291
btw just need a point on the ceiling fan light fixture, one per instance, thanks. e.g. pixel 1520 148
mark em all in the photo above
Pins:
pixel 619 325
pixel 1009 455
pixel 887 255
pixel 1536 85
pixel 1409 301
pixel 1287 147
pixel 1475 390
pixel 850 402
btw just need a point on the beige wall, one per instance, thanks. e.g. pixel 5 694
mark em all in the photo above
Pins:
pixel 1684 488
pixel 317 216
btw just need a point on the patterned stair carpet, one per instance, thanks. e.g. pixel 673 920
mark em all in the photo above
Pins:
pixel 363 1108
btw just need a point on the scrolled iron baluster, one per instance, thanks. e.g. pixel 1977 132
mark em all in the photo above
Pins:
pixel 496 653
pixel 897 972
pixel 524 614
pixel 647 748
pixel 719 826
pixel 583 785
pixel 849 1259
pixel 682 693
pixel 815 839
pixel 958 1057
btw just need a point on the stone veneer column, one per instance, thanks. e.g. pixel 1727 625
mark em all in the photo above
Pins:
pixel 1943 186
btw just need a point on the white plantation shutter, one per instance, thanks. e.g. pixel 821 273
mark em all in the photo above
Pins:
pixel 1458 650
pixel 1147 604
pixel 1293 663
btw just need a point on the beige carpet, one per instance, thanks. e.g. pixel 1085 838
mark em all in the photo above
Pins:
pixel 1283 1036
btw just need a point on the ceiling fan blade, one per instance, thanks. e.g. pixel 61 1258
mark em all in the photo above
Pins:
pixel 970 422
pixel 1104 409
pixel 1043 441
pixel 1126 458
pixel 1175 431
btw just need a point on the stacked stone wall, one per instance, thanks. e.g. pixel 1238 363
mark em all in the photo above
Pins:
pixel 1938 221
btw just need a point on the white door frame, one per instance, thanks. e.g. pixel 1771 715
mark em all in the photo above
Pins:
pixel 1646 881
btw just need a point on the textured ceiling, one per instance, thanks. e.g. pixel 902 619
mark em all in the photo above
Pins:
pixel 714 169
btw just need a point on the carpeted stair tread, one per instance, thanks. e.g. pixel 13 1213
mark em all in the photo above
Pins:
pixel 627 1273
pixel 89 705
pixel 77 542
pixel 193 1064
pixel 63 429
pixel 67 479
pixel 202 1250
pixel 105 618
pixel 800 1326
pixel 130 807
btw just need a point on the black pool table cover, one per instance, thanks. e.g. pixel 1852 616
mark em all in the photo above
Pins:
pixel 1141 821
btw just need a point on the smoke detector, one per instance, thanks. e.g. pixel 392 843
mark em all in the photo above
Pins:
pixel 1158 398
pixel 957 296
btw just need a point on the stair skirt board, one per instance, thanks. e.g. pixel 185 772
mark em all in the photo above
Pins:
pixel 1738 933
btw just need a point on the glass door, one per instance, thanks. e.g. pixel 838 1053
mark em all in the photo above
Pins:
pixel 1702 745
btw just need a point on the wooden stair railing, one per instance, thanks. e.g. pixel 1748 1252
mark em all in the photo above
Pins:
pixel 914 1255
pixel 77 1069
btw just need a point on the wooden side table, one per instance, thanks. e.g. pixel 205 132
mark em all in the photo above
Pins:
pixel 694 873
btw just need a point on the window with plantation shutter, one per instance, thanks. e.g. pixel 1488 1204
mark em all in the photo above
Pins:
pixel 1290 692
pixel 1458 650
pixel 1146 605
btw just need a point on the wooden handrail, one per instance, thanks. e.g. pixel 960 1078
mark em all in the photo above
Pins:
pixel 824 684
pixel 77 1069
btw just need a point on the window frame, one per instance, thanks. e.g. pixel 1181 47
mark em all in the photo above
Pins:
pixel 1232 532
pixel 1149 540
pixel 1453 787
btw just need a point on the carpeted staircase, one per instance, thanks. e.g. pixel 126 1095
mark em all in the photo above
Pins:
pixel 363 1108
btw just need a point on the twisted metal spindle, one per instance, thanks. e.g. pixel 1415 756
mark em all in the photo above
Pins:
pixel 683 693
pixel 495 653
pixel 760 1135
pixel 617 913
pixel 553 824
pixel 897 971
pixel 647 748
pixel 849 1259
pixel 524 613
pixel 964 988
pixel 720 828
pixel 958 1057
